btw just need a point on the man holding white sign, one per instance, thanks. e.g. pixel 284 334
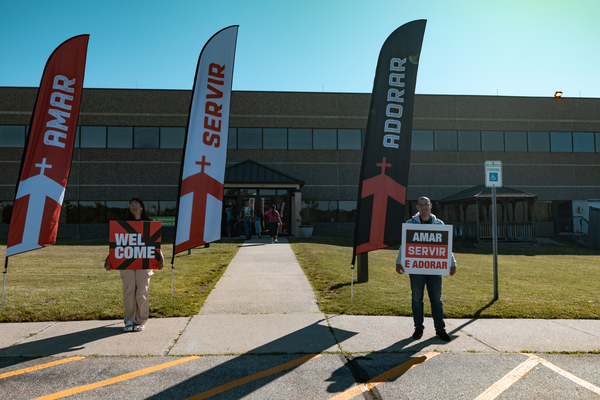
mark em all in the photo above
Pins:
pixel 425 254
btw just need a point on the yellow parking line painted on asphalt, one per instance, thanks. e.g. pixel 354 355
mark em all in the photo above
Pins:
pixel 570 376
pixel 509 379
pixel 41 366
pixel 378 380
pixel 116 379
pixel 253 377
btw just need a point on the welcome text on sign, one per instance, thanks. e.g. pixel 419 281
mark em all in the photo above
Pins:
pixel 130 245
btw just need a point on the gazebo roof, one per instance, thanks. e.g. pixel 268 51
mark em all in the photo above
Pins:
pixel 482 192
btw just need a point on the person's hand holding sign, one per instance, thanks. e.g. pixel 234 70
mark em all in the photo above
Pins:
pixel 399 269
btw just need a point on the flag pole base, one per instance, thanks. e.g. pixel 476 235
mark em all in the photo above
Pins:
pixel 352 287
pixel 4 279
pixel 172 291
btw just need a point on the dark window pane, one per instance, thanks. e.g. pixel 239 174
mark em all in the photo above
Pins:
pixel 326 211
pixel 445 140
pixel 168 208
pixel 469 141
pixel 117 210
pixel 6 208
pixel 151 207
pixel 77 135
pixel 492 141
pixel 597 142
pixel 300 139
pixel 120 137
pixel 515 141
pixel 347 210
pixel 538 141
pixel 145 138
pixel 274 138
pixel 72 209
pixel 93 137
pixel 349 139
pixel 421 140
pixel 583 142
pixel 12 135
pixel 543 211
pixel 92 212
pixel 172 137
pixel 232 138
pixel 324 139
pixel 318 211
pixel 268 192
pixel 249 138
pixel 248 192
pixel 561 142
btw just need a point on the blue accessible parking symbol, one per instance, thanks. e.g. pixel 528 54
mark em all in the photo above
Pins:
pixel 493 177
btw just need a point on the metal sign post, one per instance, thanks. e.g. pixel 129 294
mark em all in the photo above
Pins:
pixel 495 242
pixel 493 179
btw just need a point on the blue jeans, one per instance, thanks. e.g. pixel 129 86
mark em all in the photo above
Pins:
pixel 248 229
pixel 434 290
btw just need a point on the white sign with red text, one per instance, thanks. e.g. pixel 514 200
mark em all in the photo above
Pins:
pixel 426 249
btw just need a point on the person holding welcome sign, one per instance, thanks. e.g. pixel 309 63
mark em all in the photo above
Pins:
pixel 136 282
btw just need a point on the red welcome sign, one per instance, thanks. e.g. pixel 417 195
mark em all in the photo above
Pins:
pixel 134 244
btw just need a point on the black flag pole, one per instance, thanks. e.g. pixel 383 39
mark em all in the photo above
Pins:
pixel 4 279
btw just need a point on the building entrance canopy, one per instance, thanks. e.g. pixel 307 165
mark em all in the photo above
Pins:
pixel 261 187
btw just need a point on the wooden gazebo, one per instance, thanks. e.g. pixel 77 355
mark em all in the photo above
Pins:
pixel 509 202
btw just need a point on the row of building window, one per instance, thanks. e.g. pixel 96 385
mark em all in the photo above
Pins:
pixel 322 139
pixel 314 211
pixel 100 212
pixel 568 142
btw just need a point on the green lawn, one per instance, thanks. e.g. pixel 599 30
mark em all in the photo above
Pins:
pixel 67 281
pixel 545 281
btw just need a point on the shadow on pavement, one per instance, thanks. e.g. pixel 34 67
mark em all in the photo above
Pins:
pixel 244 365
pixel 55 346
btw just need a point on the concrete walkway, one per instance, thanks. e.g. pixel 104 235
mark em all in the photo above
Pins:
pixel 264 304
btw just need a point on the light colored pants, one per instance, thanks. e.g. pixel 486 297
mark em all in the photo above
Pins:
pixel 136 286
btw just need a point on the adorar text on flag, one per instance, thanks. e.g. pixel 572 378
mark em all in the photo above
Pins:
pixel 394 109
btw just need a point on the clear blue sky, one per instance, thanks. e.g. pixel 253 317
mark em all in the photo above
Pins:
pixel 479 47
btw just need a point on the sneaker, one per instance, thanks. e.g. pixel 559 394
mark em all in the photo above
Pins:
pixel 443 335
pixel 128 326
pixel 276 241
pixel 139 328
pixel 418 334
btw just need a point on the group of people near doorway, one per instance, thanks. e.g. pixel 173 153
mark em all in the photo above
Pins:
pixel 136 283
pixel 271 217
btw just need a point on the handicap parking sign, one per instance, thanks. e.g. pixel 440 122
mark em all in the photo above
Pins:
pixel 493 174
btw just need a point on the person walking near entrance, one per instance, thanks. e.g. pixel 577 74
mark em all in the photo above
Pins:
pixel 247 214
pixel 258 217
pixel 274 219
pixel 433 282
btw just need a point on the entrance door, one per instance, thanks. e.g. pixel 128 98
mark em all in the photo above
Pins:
pixel 563 222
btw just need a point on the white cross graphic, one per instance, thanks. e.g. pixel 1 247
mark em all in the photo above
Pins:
pixel 38 187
